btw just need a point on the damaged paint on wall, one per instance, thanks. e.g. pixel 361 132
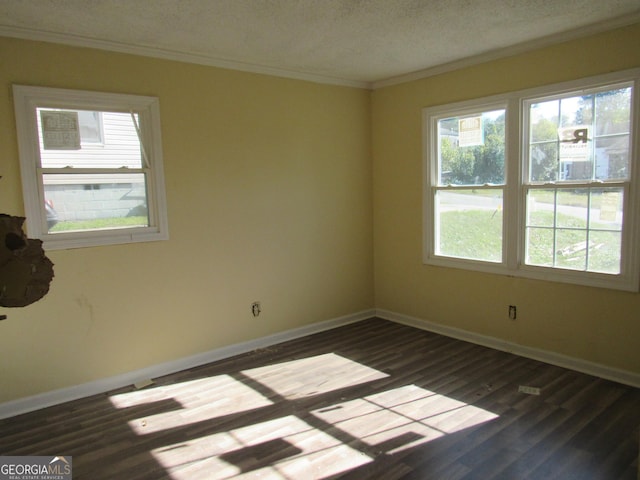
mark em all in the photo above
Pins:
pixel 25 270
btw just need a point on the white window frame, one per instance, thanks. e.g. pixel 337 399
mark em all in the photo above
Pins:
pixel 27 99
pixel 514 200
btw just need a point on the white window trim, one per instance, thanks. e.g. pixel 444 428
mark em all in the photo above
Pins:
pixel 26 100
pixel 514 208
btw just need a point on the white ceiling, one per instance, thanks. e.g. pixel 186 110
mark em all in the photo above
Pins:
pixel 364 43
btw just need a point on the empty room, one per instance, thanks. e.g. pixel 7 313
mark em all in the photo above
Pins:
pixel 319 239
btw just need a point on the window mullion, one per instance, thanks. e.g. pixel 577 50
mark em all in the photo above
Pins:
pixel 588 228
pixel 559 172
pixel 513 193
pixel 555 227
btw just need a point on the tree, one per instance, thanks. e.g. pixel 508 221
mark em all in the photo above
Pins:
pixel 544 150
pixel 473 165
pixel 612 119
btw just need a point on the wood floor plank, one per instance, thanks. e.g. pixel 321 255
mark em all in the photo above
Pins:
pixel 370 400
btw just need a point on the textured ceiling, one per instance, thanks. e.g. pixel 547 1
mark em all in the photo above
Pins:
pixel 349 41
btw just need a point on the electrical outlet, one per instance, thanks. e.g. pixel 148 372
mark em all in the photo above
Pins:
pixel 256 308
pixel 512 312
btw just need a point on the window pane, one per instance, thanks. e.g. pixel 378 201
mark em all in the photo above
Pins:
pixel 576 110
pixel 471 149
pixel 613 112
pixel 612 157
pixel 544 121
pixel 577 229
pixel 94 202
pixel 580 137
pixel 90 126
pixel 571 248
pixel 604 252
pixel 83 139
pixel 572 208
pixel 576 170
pixel 540 247
pixel 470 224
pixel 541 208
pixel 544 161
pixel 606 209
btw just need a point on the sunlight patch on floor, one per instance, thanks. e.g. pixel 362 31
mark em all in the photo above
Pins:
pixel 191 402
pixel 313 375
pixel 311 443
pixel 401 418
pixel 283 448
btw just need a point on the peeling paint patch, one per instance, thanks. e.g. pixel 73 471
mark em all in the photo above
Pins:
pixel 25 270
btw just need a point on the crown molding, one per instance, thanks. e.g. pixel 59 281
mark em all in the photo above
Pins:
pixel 520 48
pixel 200 59
pixel 195 58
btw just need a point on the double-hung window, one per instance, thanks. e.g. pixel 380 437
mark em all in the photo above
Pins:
pixel 541 183
pixel 91 166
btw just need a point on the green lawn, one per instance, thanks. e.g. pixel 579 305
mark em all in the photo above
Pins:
pixel 98 224
pixel 569 198
pixel 477 234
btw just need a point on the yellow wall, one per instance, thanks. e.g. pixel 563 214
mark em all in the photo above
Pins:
pixel 269 194
pixel 596 325
pixel 273 196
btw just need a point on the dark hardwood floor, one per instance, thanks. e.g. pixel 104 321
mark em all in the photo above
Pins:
pixel 371 400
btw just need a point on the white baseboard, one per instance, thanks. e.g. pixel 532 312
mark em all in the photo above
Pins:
pixel 55 397
pixel 584 366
